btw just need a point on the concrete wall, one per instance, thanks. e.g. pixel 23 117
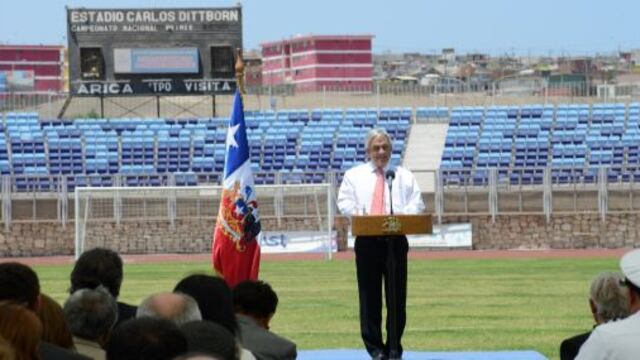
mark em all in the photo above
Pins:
pixel 194 235
pixel 132 237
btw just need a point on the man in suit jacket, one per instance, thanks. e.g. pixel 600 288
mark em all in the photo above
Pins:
pixel 100 266
pixel 255 303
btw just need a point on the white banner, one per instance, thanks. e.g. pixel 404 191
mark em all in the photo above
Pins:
pixel 444 236
pixel 272 242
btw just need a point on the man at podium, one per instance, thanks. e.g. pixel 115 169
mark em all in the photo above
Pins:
pixel 364 191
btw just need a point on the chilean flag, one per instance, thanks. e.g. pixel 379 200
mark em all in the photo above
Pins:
pixel 235 250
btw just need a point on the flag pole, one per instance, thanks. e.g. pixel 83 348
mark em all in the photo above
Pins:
pixel 239 67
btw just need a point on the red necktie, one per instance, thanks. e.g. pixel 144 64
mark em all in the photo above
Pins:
pixel 377 202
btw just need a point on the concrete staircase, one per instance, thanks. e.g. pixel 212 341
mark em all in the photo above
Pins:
pixel 424 152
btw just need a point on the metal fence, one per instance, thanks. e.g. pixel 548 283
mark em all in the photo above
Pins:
pixel 499 195
pixel 52 105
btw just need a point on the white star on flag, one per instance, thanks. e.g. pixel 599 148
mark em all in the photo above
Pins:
pixel 231 136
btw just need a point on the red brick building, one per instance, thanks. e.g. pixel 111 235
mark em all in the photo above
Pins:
pixel 317 62
pixel 44 64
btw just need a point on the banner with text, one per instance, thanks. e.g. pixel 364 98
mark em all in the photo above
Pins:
pixel 149 20
pixel 272 242
pixel 458 236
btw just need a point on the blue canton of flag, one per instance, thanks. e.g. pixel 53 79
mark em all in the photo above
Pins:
pixel 235 251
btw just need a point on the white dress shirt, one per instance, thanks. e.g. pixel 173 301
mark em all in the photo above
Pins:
pixel 616 340
pixel 356 191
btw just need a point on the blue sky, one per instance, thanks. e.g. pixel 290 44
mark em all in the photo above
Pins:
pixel 542 27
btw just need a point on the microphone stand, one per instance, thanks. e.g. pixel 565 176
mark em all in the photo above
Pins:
pixel 392 321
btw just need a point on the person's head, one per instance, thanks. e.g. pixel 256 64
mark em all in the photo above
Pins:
pixel 630 266
pixel 197 356
pixel 209 338
pixel 213 297
pixel 96 267
pixel 22 329
pixel 608 298
pixel 6 351
pixel 146 338
pixel 55 329
pixel 256 299
pixel 91 314
pixel 378 145
pixel 19 283
pixel 177 307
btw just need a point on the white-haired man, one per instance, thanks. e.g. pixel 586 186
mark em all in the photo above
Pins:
pixel 619 339
pixel 363 191
pixel 608 301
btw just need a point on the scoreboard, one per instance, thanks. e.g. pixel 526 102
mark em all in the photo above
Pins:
pixel 172 51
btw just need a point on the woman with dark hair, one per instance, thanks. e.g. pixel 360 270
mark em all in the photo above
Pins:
pixel 22 329
pixel 215 301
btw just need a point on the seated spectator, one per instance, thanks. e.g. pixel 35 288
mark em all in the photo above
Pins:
pixel 54 326
pixel 209 338
pixel 619 339
pixel 177 307
pixel 6 351
pixel 608 301
pixel 255 304
pixel 20 284
pixel 197 356
pixel 146 338
pixel 22 329
pixel 91 314
pixel 101 266
pixel 215 301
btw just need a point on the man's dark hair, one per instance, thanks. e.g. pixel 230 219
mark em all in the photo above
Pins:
pixel 96 267
pixel 146 339
pixel 19 283
pixel 214 299
pixel 255 298
pixel 210 338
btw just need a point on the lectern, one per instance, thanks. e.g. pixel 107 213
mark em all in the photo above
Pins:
pixel 391 227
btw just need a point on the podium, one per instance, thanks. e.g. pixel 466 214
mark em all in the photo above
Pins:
pixel 391 225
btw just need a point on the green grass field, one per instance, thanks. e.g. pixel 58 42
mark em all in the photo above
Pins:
pixel 452 304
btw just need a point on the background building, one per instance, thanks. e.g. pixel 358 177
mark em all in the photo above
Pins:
pixel 31 68
pixel 317 62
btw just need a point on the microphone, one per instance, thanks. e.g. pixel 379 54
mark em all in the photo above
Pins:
pixel 390 175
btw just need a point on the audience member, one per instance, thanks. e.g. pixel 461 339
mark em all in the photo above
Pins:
pixel 255 304
pixel 91 314
pixel 22 329
pixel 146 338
pixel 55 329
pixel 6 351
pixel 177 307
pixel 20 284
pixel 608 301
pixel 197 356
pixel 101 266
pixel 209 338
pixel 215 301
pixel 619 339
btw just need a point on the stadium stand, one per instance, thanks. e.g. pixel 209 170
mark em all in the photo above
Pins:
pixel 297 145
pixel 572 140
pixel 302 145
